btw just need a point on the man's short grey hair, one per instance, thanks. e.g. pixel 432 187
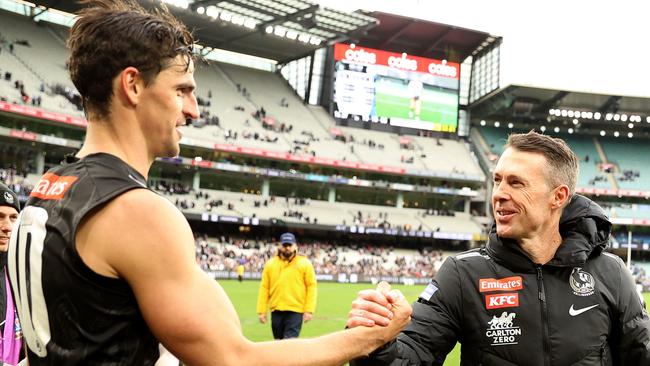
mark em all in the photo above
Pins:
pixel 562 161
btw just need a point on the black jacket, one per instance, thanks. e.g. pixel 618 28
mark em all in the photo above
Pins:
pixel 579 309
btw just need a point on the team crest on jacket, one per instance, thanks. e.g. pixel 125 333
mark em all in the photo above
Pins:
pixel 582 283
pixel 502 330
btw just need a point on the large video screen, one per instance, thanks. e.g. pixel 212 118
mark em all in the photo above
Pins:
pixel 397 89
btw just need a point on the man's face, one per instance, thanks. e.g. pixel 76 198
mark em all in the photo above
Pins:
pixel 166 103
pixel 8 215
pixel 521 197
pixel 287 250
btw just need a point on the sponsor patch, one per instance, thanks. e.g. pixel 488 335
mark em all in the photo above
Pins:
pixel 582 283
pixel 502 330
pixel 428 292
pixel 496 301
pixel 502 284
pixel 52 186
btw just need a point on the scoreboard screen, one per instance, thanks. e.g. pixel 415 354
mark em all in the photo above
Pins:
pixel 398 89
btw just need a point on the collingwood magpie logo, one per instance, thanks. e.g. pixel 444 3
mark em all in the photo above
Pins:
pixel 502 330
pixel 9 198
pixel 582 283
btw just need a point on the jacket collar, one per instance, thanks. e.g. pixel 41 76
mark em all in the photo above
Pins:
pixel 585 230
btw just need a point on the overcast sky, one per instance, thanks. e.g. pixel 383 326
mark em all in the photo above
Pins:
pixel 591 46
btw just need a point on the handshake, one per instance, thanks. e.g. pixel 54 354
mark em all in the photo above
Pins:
pixel 384 307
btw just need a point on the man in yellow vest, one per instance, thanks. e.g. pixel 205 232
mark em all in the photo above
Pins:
pixel 240 271
pixel 288 288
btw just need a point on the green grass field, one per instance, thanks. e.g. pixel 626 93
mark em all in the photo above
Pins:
pixel 333 305
pixel 438 108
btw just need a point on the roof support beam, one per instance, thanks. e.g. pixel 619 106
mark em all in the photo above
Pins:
pixel 436 42
pixel 610 105
pixel 397 34
pixel 544 106
pixel 289 17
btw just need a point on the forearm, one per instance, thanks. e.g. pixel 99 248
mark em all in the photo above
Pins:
pixel 332 349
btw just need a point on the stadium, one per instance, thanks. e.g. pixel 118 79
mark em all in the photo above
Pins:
pixel 371 136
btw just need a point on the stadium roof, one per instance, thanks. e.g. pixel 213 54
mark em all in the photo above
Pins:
pixel 279 30
pixel 423 38
pixel 525 104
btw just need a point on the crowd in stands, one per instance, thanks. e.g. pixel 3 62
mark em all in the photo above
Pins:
pixel 70 94
pixel 629 175
pixel 225 254
pixel 597 178
pixel 16 180
pixel 290 207
pixel 641 277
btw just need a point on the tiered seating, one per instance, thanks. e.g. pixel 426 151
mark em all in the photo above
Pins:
pixel 628 210
pixel 45 64
pixel 629 154
pixel 337 213
pixel 46 54
pixel 584 146
pixel 438 156
pixel 327 258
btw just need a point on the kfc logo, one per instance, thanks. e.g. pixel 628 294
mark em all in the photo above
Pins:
pixel 501 284
pixel 502 301
pixel 52 186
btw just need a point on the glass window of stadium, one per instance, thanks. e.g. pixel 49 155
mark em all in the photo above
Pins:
pixel 366 196
pixel 296 189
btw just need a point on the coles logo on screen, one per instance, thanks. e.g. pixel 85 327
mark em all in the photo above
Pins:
pixel 402 61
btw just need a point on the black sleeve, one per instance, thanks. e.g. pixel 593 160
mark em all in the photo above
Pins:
pixel 634 343
pixel 434 327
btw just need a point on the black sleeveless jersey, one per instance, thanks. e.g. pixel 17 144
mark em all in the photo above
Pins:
pixel 71 315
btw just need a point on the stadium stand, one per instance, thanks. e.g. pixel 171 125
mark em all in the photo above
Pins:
pixel 35 55
pixel 317 212
pixel 630 159
pixel 224 254
pixel 231 98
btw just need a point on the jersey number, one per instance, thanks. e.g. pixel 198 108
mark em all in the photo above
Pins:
pixel 25 264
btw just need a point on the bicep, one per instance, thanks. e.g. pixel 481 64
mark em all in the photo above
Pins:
pixel 185 309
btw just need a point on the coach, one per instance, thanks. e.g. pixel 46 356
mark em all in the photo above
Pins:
pixel 541 293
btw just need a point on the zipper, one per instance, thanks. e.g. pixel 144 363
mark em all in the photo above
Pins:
pixel 542 298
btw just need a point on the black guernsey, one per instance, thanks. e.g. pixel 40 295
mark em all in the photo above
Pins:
pixel 71 315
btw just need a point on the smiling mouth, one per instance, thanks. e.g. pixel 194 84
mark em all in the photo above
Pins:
pixel 505 214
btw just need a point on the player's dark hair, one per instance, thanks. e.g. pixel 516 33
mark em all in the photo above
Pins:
pixel 109 36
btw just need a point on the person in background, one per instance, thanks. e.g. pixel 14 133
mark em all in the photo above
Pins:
pixel 288 288
pixel 240 271
pixel 12 337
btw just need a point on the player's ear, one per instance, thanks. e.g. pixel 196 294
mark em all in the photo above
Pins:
pixel 130 85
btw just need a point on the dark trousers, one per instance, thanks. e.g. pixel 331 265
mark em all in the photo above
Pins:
pixel 286 324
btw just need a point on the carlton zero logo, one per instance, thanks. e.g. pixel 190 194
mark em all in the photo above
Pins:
pixel 502 284
pixel 497 301
pixel 502 330
pixel 52 186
